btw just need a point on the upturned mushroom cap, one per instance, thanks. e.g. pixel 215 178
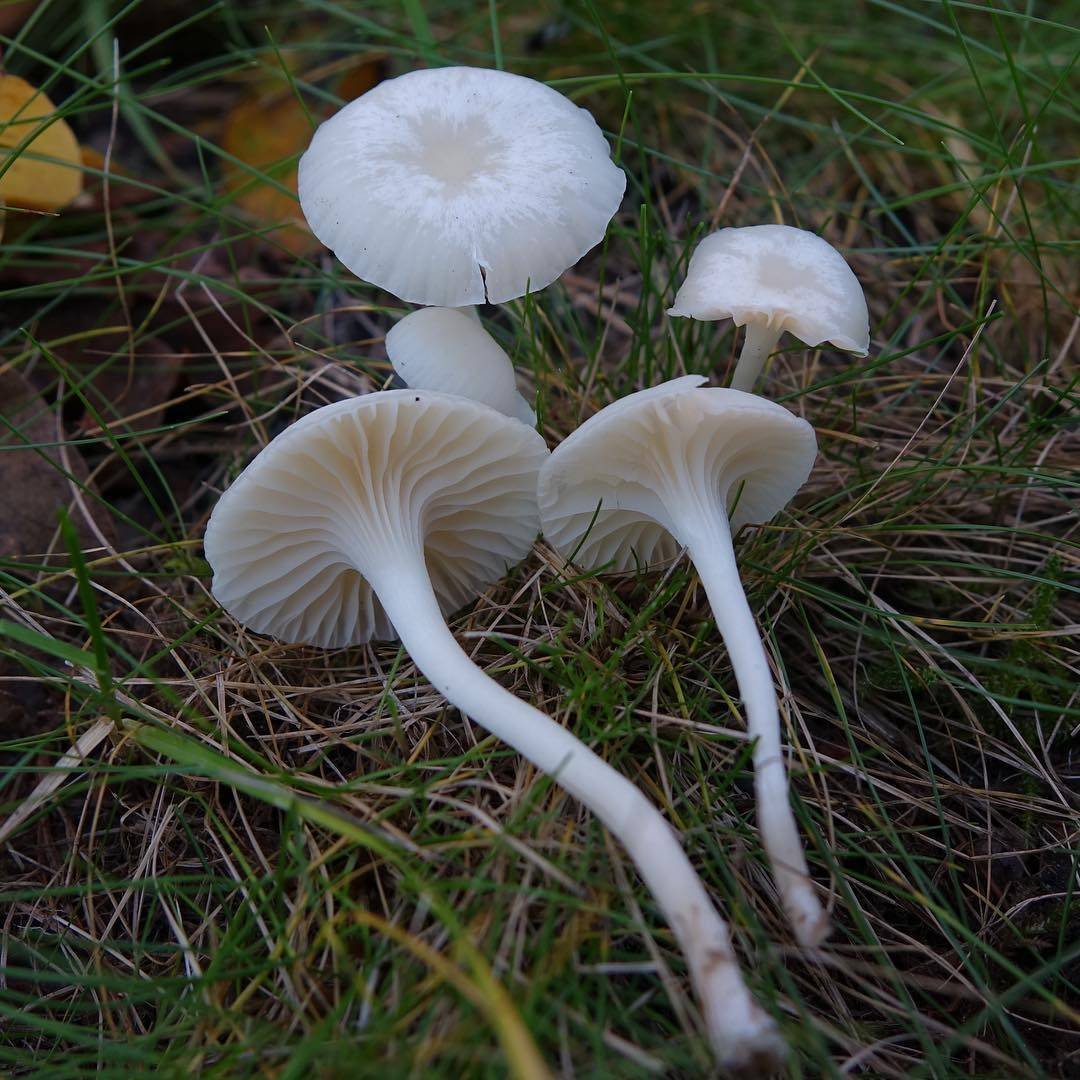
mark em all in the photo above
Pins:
pixel 451 186
pixel 785 278
pixel 448 350
pixel 356 486
pixel 610 493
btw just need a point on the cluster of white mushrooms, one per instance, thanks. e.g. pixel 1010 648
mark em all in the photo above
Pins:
pixel 376 517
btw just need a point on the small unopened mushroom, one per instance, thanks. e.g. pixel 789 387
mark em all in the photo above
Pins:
pixel 452 186
pixel 376 516
pixel 772 279
pixel 681 466
pixel 447 349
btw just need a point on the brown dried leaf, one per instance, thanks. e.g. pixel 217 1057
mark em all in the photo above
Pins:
pixel 125 385
pixel 28 705
pixel 13 15
pixel 39 474
pixel 137 391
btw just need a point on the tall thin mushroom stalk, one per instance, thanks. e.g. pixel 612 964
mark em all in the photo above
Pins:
pixel 680 466
pixel 377 516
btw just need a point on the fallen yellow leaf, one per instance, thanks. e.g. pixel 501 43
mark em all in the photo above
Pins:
pixel 360 78
pixel 91 158
pixel 45 173
pixel 269 135
pixel 268 130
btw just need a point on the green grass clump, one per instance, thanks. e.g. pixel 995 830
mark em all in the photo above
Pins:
pixel 271 860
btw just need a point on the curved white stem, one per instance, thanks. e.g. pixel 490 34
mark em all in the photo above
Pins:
pixel 742 1034
pixel 759 343
pixel 707 537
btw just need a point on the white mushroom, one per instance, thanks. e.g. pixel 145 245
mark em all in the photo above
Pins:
pixel 452 186
pixel 448 349
pixel 772 279
pixel 376 516
pixel 681 466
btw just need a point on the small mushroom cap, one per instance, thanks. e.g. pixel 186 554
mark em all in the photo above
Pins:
pixel 448 350
pixel 355 487
pixel 785 278
pixel 611 494
pixel 449 186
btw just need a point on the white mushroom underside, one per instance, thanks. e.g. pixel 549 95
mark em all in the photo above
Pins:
pixel 453 186
pixel 611 493
pixel 357 484
pixel 448 350
pixel 786 278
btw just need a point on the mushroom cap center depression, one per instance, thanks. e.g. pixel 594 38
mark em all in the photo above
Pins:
pixel 454 156
pixel 778 276
pixel 780 272
pixel 788 289
pixel 451 186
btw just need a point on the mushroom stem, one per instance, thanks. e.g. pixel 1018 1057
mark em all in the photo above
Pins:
pixel 707 536
pixel 742 1033
pixel 760 341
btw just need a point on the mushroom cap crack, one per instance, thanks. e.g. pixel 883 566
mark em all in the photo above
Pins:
pixel 452 186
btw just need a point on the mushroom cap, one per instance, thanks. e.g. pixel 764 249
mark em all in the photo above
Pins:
pixel 448 350
pixel 449 186
pixel 352 489
pixel 786 278
pixel 612 493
